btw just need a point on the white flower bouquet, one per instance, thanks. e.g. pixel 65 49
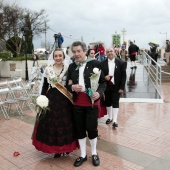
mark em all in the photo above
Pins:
pixel 42 103
pixel 94 79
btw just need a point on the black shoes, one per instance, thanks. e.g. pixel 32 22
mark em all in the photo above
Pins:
pixel 95 160
pixel 108 121
pixel 79 161
pixel 115 125
pixel 134 67
pixel 57 155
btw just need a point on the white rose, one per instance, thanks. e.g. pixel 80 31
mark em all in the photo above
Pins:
pixel 42 101
pixel 96 70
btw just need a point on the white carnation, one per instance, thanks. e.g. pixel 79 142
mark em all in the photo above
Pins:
pixel 42 101
pixel 96 70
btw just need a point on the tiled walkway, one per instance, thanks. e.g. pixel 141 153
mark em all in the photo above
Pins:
pixel 141 142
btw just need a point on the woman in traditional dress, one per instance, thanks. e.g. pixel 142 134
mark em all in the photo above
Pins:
pixel 54 133
pixel 91 53
pixel 101 105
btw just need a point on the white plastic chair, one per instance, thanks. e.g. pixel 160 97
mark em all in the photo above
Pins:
pixel 19 93
pixel 18 73
pixel 3 103
pixel 7 100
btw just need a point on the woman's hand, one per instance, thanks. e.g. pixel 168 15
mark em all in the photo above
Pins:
pixel 76 87
pixel 107 77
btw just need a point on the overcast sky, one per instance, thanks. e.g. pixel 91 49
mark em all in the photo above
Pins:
pixel 97 20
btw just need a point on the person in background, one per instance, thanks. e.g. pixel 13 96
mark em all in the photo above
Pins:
pixel 153 52
pixel 85 112
pixel 132 50
pixel 117 51
pixel 55 133
pixel 67 50
pixel 90 53
pixel 34 68
pixel 96 50
pixel 101 49
pixel 167 52
pixel 35 61
pixel 60 40
pixel 115 75
pixel 124 54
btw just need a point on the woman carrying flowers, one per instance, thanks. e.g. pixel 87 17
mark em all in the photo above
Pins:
pixel 54 130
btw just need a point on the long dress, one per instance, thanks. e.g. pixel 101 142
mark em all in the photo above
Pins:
pixel 55 132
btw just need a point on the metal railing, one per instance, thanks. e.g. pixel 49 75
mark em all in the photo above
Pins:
pixel 97 54
pixel 152 70
pixel 165 72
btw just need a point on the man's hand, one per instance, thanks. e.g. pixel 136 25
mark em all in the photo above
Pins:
pixel 95 96
pixel 107 77
pixel 120 91
pixel 76 87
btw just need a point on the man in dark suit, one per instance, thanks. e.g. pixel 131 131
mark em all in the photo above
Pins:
pixel 133 50
pixel 115 74
pixel 85 113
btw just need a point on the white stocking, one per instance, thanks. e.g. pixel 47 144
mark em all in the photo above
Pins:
pixel 82 143
pixel 93 143
pixel 115 114
pixel 109 112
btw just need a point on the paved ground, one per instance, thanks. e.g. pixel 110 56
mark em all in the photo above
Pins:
pixel 142 141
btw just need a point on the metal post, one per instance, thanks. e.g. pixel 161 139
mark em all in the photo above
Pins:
pixel 25 30
pixel 156 76
pixel 26 63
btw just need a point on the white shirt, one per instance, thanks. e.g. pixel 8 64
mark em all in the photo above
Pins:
pixel 111 65
pixel 81 76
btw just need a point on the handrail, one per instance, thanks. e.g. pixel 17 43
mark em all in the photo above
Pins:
pixel 165 72
pixel 97 53
pixel 153 72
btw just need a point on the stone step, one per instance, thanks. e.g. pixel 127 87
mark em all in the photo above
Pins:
pixel 166 68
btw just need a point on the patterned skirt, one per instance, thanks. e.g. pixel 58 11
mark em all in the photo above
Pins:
pixel 55 133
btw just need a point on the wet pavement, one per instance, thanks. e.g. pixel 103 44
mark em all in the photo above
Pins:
pixel 139 86
pixel 141 142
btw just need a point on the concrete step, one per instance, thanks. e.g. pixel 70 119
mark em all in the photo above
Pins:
pixel 166 68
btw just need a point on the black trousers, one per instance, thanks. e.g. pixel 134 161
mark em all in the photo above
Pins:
pixel 112 97
pixel 85 118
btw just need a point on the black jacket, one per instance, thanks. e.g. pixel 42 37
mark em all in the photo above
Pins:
pixel 119 73
pixel 133 48
pixel 73 75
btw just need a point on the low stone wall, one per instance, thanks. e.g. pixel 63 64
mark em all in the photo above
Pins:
pixel 7 68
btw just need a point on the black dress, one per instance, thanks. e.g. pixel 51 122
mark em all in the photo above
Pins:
pixel 55 132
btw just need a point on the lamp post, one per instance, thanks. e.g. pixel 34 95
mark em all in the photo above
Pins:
pixel 25 31
pixel 165 34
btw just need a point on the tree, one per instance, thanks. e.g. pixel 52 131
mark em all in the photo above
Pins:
pixel 13 18
pixel 28 35
pixel 12 44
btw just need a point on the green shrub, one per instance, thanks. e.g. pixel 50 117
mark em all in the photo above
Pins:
pixel 5 55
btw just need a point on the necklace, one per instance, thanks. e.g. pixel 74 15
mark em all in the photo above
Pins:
pixel 58 71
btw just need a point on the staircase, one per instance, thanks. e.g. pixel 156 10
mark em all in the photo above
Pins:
pixel 166 77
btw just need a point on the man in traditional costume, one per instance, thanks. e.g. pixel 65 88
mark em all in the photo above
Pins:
pixel 87 84
pixel 115 74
